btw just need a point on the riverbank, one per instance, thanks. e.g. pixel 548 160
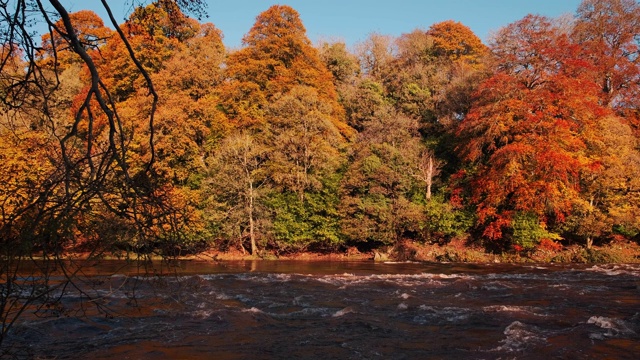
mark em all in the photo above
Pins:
pixel 455 251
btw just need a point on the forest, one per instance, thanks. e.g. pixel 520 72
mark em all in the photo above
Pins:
pixel 152 137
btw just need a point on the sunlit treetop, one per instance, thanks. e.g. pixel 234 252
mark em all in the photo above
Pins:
pixel 88 27
pixel 162 18
pixel 278 22
pixel 277 58
pixel 456 41
pixel 609 32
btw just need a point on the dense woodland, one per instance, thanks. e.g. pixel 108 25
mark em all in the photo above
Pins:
pixel 531 140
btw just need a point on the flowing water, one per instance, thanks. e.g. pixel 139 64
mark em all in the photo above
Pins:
pixel 346 310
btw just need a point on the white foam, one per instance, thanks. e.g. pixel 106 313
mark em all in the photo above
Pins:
pixel 253 310
pixel 519 336
pixel 615 270
pixel 404 280
pixel 614 327
pixel 450 314
pixel 513 309
pixel 220 296
pixel 560 286
pixel 202 314
pixel 497 285
pixel 344 311
pixel 452 276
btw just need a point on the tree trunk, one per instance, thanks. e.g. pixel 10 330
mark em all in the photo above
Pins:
pixel 589 238
pixel 252 235
pixel 241 242
pixel 429 177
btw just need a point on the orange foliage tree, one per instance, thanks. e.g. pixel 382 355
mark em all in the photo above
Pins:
pixel 90 29
pixel 457 42
pixel 183 58
pixel 607 31
pixel 523 133
pixel 278 57
pixel 278 92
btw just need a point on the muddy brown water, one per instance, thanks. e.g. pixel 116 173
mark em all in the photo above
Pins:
pixel 343 310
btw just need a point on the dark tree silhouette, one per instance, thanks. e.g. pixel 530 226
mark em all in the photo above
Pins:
pixel 60 171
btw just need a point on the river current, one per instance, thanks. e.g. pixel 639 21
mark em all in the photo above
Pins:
pixel 343 310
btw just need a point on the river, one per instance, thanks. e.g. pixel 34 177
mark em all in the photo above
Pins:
pixel 343 310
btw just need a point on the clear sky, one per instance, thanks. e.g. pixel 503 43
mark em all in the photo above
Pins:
pixel 352 20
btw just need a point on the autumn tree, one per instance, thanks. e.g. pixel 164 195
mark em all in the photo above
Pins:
pixel 434 72
pixel 239 184
pixel 278 88
pixel 151 33
pixel 304 142
pixel 305 154
pixel 431 79
pixel 610 190
pixel 410 79
pixel 277 57
pixel 347 78
pixel 378 194
pixel 567 80
pixel 90 29
pixel 362 100
pixel 462 59
pixel 187 120
pixel 457 42
pixel 344 66
pixel 375 54
pixel 608 33
pixel 406 81
pixel 522 134
pixel 183 59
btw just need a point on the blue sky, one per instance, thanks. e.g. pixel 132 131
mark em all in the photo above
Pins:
pixel 352 20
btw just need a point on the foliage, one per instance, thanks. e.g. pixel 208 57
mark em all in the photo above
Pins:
pixel 92 35
pixel 587 256
pixel 151 137
pixel 444 222
pixel 608 32
pixel 457 42
pixel 546 133
pixel 305 144
pixel 278 57
pixel 311 223
pixel 377 196
pixel 528 232
pixel 525 130
pixel 237 188
pixel 343 65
